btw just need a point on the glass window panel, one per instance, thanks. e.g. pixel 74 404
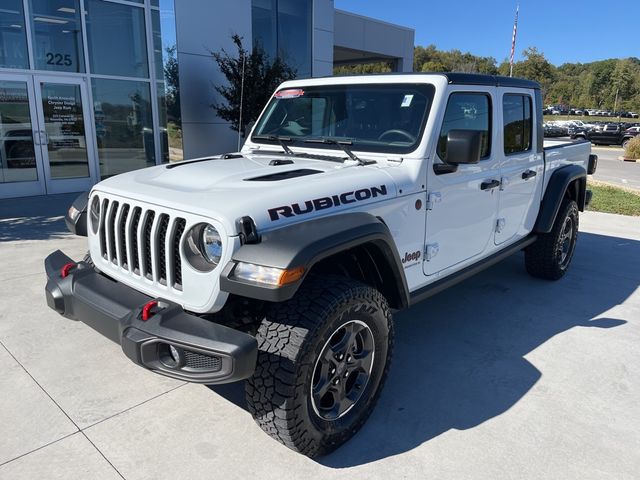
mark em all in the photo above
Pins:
pixel 13 38
pixel 264 25
pixel 116 37
pixel 170 130
pixel 17 155
pixel 65 131
pixel 157 44
pixel 517 123
pixel 467 111
pixel 57 35
pixel 294 35
pixel 124 125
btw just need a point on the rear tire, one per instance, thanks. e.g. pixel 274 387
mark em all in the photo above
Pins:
pixel 549 257
pixel 323 359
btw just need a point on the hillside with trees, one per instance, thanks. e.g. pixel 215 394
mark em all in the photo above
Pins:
pixel 582 85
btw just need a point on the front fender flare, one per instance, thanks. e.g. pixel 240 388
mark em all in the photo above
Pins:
pixel 304 245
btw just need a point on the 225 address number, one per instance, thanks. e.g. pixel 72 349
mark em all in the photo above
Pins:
pixel 59 59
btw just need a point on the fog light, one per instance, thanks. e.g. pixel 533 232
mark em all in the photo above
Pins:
pixel 170 356
pixel 175 354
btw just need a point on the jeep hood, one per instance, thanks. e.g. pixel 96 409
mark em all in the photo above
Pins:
pixel 226 189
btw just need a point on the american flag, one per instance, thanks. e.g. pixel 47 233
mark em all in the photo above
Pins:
pixel 513 42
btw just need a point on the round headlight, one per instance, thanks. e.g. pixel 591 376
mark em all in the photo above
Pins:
pixel 94 214
pixel 211 244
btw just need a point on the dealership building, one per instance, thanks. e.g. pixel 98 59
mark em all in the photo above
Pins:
pixel 89 88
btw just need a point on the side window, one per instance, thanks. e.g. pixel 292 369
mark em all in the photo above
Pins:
pixel 518 123
pixel 467 111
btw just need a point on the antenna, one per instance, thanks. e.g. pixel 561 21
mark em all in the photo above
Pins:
pixel 241 100
pixel 513 41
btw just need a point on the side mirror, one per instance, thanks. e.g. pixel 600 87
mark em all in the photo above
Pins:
pixel 464 146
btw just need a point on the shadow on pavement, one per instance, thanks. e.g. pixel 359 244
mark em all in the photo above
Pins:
pixel 459 357
pixel 34 218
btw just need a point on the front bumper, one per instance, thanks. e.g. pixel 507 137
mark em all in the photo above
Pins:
pixel 206 352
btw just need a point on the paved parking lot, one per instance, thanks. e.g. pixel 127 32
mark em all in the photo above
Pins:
pixel 613 170
pixel 502 376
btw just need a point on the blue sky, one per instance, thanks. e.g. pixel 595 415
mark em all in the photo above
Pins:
pixel 566 31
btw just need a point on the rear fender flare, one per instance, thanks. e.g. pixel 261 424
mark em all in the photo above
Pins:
pixel 569 176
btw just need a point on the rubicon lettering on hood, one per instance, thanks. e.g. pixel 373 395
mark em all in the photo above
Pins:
pixel 322 203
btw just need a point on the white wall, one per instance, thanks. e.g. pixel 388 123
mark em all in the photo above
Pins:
pixel 203 26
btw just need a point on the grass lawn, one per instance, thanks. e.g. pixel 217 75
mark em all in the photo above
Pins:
pixel 562 118
pixel 610 199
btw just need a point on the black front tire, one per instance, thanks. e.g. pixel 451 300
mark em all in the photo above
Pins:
pixel 295 339
pixel 549 257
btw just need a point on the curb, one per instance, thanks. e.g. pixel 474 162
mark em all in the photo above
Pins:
pixel 632 160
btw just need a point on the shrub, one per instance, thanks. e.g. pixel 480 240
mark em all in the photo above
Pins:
pixel 633 148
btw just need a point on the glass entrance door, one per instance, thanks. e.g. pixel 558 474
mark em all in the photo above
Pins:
pixel 44 126
pixel 63 118
pixel 21 165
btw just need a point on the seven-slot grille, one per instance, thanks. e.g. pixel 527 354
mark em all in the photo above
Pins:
pixel 142 241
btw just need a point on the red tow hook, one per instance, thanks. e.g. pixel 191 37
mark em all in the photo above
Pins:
pixel 147 312
pixel 64 271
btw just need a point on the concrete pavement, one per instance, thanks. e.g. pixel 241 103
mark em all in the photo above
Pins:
pixel 502 376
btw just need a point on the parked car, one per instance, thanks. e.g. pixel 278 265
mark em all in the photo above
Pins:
pixel 608 134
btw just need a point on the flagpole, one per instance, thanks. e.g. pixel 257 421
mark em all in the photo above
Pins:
pixel 513 41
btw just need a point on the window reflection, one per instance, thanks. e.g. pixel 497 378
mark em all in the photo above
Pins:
pixel 17 156
pixel 57 35
pixel 124 126
pixel 283 28
pixel 13 39
pixel 116 38
pixel 294 35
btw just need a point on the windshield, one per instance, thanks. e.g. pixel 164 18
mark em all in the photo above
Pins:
pixel 373 118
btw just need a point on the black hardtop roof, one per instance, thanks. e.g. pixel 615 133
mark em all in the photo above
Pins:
pixel 468 79
pixel 490 80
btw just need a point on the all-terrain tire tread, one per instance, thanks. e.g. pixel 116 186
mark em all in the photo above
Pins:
pixel 540 257
pixel 271 391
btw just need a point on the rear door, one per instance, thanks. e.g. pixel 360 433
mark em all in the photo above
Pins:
pixel 521 166
pixel 462 208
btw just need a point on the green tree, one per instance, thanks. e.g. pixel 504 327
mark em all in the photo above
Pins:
pixel 535 67
pixel 363 68
pixel 261 77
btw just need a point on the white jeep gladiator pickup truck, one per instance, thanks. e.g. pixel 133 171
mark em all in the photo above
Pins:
pixel 282 264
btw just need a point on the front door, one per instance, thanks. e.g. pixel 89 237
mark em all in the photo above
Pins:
pixel 463 203
pixel 44 126
pixel 63 118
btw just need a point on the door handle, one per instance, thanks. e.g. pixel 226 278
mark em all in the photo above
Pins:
pixel 489 184
pixel 529 174
pixel 36 137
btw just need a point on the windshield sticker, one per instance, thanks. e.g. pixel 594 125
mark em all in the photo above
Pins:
pixel 406 101
pixel 290 93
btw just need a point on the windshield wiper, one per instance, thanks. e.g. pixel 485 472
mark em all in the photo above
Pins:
pixel 280 140
pixel 343 145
